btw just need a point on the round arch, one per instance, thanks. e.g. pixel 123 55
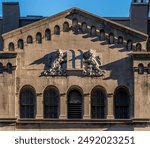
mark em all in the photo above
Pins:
pixel 122 103
pixel 98 103
pixel 27 101
pixel 75 102
pixel 51 104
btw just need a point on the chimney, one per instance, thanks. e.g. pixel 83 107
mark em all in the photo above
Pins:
pixel 11 15
pixel 139 11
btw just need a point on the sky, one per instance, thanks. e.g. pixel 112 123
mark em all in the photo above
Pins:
pixel 106 8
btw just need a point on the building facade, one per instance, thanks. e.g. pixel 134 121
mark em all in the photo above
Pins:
pixel 75 70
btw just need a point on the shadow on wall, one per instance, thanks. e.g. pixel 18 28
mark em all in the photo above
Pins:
pixel 120 70
pixel 45 60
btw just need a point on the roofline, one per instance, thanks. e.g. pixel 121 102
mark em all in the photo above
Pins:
pixel 10 3
pixel 72 10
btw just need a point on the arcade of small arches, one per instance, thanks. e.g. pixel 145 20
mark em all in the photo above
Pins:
pixel 75 103
pixel 141 69
pixel 8 68
pixel 92 31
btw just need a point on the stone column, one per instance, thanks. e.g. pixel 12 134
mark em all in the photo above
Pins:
pixel 39 107
pixel 17 104
pixel 87 106
pixel 110 114
pixel 63 106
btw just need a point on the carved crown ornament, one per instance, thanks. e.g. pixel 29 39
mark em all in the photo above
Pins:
pixel 60 62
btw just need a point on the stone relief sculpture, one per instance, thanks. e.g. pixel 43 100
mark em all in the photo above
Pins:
pixel 92 64
pixel 55 64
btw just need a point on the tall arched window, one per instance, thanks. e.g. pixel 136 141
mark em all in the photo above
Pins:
pixel 138 47
pixel 102 34
pixel 27 102
pixel 74 23
pixel 57 30
pixel 11 46
pixel 1 68
pixel 9 68
pixel 75 104
pixel 93 31
pixel 122 103
pixel 20 44
pixel 47 34
pixel 84 27
pixel 98 104
pixel 148 68
pixel 29 39
pixel 51 103
pixel 66 27
pixel 39 38
pixel 111 38
pixel 129 45
pixel 140 69
pixel 120 40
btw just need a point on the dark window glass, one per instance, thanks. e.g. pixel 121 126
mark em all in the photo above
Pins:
pixel 138 47
pixel 84 27
pixel 129 45
pixel 93 31
pixel 39 38
pixel 29 40
pixel 66 27
pixel 47 34
pixel 27 103
pixel 57 30
pixel 20 44
pixel 121 100
pixel 9 68
pixel 51 103
pixel 102 35
pixel 140 69
pixel 11 47
pixel 111 38
pixel 98 104
pixel 120 40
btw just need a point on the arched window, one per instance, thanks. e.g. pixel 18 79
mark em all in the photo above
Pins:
pixel 51 103
pixel 111 38
pixel 74 23
pixel 47 35
pixel 122 103
pixel 20 44
pixel 120 40
pixel 129 45
pixel 93 31
pixel 29 39
pixel 84 27
pixel 39 38
pixel 11 46
pixel 140 69
pixel 9 68
pixel 75 103
pixel 138 47
pixel 102 35
pixel 1 68
pixel 27 102
pixel 66 27
pixel 98 104
pixel 57 30
pixel 148 68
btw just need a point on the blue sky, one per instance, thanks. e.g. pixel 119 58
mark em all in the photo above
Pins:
pixel 105 8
